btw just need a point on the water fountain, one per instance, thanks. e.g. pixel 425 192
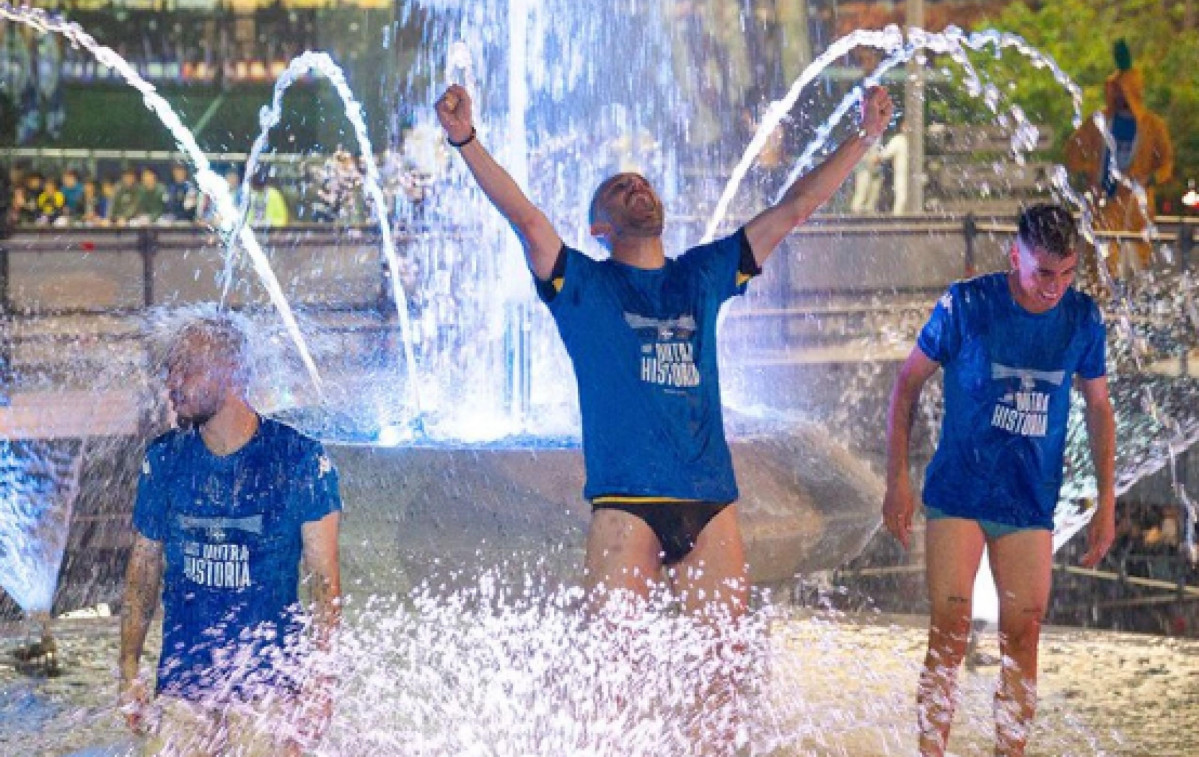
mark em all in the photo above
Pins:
pixel 491 487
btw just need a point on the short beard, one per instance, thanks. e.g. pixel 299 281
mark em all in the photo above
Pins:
pixel 644 227
pixel 193 422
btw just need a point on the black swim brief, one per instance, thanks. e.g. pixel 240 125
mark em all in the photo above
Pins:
pixel 676 524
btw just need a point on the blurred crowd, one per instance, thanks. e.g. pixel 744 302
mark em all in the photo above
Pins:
pixel 318 190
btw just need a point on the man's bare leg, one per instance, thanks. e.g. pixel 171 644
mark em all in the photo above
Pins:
pixel 953 548
pixel 712 580
pixel 622 563
pixel 712 585
pixel 1023 567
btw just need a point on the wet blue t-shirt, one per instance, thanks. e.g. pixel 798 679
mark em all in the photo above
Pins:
pixel 230 528
pixel 643 346
pixel 1008 374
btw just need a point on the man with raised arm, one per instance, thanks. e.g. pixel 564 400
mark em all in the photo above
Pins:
pixel 640 329
pixel 1010 344
pixel 228 506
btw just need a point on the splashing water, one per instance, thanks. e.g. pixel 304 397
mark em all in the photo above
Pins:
pixel 212 185
pixel 39 482
pixel 888 40
pixel 950 42
pixel 270 117
pixel 1178 438
pixel 508 668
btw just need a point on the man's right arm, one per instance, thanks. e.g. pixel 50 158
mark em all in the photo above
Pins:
pixel 541 242
pixel 143 580
pixel 899 505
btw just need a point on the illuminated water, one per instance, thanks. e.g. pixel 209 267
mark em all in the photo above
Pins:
pixel 505 664
pixel 470 675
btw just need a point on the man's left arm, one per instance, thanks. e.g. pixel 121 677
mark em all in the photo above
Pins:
pixel 813 189
pixel 322 569
pixel 1101 430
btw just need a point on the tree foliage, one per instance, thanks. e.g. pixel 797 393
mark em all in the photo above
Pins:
pixel 1079 35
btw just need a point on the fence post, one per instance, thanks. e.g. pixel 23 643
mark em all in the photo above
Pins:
pixel 970 231
pixel 147 244
pixel 1186 244
pixel 6 335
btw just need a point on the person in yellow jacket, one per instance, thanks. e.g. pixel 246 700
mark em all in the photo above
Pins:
pixel 268 206
pixel 1143 154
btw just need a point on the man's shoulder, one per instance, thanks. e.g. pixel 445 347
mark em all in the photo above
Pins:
pixel 283 436
pixel 735 239
pixel 968 291
pixel 162 454
pixel 166 443
pixel 577 257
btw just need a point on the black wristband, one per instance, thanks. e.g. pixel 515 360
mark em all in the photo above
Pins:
pixel 469 138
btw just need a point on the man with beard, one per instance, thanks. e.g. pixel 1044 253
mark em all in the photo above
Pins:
pixel 640 330
pixel 228 505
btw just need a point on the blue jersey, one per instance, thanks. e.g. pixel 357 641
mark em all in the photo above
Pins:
pixel 643 346
pixel 1008 374
pixel 230 528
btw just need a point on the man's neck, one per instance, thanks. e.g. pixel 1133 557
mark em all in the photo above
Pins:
pixel 231 428
pixel 639 252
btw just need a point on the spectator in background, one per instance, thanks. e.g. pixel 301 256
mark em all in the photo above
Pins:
pixel 15 213
pixel 267 204
pixel 13 194
pixel 50 202
pixel 152 202
pixel 867 183
pixel 27 210
pixel 320 208
pixel 1143 153
pixel 207 209
pixel 869 177
pixel 340 185
pixel 126 198
pixel 6 198
pixel 233 181
pixel 182 195
pixel 896 153
pixel 72 194
pixel 108 189
pixel 92 203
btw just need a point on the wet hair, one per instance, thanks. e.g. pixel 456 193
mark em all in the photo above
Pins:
pixel 225 337
pixel 1050 228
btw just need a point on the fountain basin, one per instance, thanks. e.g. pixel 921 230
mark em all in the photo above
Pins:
pixel 806 505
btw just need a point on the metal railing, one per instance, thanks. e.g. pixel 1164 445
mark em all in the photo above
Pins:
pixel 153 242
